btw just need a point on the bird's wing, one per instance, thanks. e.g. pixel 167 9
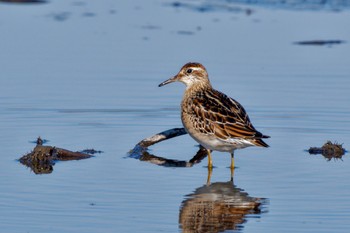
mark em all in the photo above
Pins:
pixel 223 116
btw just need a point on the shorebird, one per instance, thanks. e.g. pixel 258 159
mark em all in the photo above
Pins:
pixel 210 117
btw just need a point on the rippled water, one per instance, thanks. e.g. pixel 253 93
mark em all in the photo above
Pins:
pixel 86 74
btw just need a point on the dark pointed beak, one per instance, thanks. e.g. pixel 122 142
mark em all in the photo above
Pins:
pixel 170 80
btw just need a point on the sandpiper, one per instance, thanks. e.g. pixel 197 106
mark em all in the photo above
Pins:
pixel 213 119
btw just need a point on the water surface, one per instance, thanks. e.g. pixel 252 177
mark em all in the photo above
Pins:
pixel 86 74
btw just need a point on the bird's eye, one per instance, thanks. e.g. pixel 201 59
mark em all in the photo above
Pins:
pixel 188 71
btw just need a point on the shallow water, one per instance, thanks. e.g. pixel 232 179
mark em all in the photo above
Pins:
pixel 86 74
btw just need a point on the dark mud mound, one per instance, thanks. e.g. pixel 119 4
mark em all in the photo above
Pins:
pixel 329 150
pixel 42 158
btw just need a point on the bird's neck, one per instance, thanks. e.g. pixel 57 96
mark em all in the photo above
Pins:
pixel 193 91
pixel 199 86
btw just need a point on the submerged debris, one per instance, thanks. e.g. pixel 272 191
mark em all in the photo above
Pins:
pixel 24 1
pixel 320 42
pixel 42 159
pixel 91 151
pixel 212 6
pixel 329 150
pixel 140 151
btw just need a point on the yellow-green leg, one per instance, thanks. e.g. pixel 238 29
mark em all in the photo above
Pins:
pixel 232 173
pixel 210 161
pixel 210 169
pixel 232 160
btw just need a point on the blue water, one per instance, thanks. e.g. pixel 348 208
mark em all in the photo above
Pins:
pixel 90 80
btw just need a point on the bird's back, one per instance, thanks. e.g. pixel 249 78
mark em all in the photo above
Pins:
pixel 213 113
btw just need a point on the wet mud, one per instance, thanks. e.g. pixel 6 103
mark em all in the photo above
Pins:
pixel 329 150
pixel 42 158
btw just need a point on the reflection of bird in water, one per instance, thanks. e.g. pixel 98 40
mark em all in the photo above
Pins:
pixel 217 207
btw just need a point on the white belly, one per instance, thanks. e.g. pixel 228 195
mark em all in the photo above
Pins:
pixel 210 141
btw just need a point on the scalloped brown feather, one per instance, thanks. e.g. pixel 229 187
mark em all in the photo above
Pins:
pixel 212 112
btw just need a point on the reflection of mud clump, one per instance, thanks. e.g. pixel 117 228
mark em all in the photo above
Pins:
pixel 218 207
pixel 42 159
pixel 329 150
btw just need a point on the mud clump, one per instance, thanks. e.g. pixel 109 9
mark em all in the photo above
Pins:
pixel 42 158
pixel 329 150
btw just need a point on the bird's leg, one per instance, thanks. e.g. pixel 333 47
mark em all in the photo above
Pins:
pixel 210 169
pixel 210 161
pixel 232 174
pixel 232 160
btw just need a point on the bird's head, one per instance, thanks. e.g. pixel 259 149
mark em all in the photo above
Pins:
pixel 190 74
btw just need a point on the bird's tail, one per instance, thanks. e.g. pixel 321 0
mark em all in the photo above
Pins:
pixel 260 142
